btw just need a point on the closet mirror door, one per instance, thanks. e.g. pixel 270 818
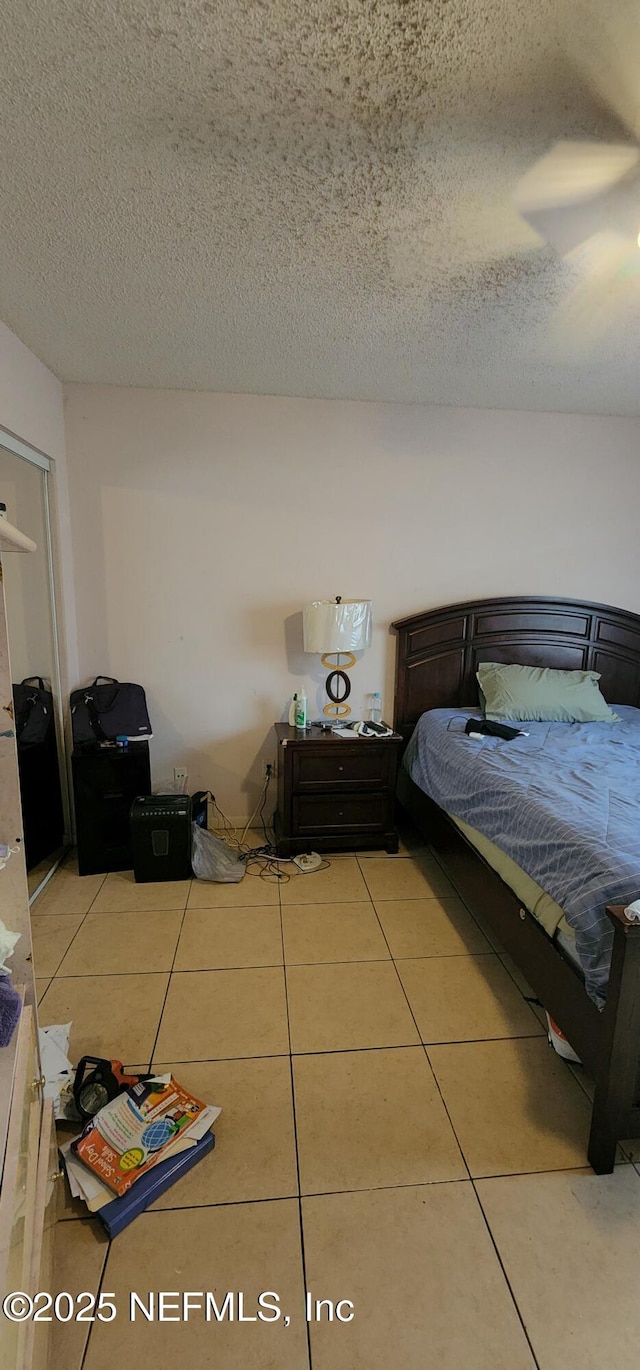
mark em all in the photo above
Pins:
pixel 33 655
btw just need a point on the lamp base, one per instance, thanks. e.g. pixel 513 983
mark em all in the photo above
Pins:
pixel 337 710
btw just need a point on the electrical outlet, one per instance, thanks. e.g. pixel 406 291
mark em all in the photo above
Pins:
pixel 269 770
pixel 180 775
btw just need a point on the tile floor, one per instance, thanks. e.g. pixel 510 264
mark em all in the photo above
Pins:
pixel 395 1132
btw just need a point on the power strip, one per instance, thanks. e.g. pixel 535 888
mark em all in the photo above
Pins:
pixel 307 862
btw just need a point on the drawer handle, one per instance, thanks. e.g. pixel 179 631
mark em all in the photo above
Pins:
pixel 340 768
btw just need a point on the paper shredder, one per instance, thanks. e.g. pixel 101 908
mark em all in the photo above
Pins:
pixel 161 837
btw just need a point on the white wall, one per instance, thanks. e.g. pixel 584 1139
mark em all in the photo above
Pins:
pixel 202 523
pixel 31 407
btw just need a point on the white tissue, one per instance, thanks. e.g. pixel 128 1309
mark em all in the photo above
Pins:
pixel 8 941
pixel 5 853
pixel 633 911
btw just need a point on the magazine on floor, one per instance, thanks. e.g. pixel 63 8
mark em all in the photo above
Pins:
pixel 146 1124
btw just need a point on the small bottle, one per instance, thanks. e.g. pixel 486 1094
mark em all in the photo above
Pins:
pixel 292 711
pixel 375 708
pixel 301 710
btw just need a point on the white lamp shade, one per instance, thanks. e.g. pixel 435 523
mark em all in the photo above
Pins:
pixel 331 627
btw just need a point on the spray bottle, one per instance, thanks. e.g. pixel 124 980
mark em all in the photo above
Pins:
pixel 301 710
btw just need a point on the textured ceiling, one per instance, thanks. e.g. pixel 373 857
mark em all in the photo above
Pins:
pixel 308 198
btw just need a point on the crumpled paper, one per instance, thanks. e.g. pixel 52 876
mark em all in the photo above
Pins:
pixel 56 1066
pixel 8 941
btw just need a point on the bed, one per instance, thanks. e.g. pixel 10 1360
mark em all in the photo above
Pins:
pixel 598 1006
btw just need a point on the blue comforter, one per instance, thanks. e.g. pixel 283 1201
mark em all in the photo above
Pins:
pixel 563 802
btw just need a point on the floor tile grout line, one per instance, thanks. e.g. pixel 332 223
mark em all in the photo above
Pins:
pixel 425 1045
pixel 98 891
pixel 64 954
pixel 273 965
pixel 337 1051
pixel 132 912
pixel 79 974
pixel 253 965
pixel 33 913
pixel 426 1054
pixel 436 1082
pixel 505 1276
pixel 166 993
pixel 98 1293
pixel 582 1081
pixel 446 1109
pixel 295 1132
pixel 114 974
pixel 449 893
pixel 98 974
pixel 485 934
pixel 365 1189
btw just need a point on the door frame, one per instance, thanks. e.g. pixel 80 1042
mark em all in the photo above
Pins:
pixel 17 447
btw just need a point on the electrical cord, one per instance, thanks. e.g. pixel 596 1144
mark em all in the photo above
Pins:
pixel 229 830
pixel 264 856
pixel 260 805
pixel 262 817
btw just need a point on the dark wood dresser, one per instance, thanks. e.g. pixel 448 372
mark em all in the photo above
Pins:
pixel 334 794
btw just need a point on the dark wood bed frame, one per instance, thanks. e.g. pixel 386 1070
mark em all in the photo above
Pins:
pixel 438 653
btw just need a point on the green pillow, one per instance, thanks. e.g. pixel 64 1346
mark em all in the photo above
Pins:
pixel 539 694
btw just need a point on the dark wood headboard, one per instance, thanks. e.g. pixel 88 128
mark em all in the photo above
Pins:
pixel 438 651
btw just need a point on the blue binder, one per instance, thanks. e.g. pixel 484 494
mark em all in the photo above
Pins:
pixel 120 1212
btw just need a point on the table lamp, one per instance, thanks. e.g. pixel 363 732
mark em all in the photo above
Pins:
pixel 337 628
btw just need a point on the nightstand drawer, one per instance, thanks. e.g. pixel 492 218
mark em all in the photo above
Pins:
pixel 331 813
pixel 335 795
pixel 329 767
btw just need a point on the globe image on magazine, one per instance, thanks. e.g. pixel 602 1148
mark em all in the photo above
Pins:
pixel 158 1134
pixel 140 1127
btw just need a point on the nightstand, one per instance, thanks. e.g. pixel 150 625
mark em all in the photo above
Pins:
pixel 335 795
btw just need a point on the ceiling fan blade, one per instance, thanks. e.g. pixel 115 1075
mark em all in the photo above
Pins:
pixel 581 189
pixel 605 293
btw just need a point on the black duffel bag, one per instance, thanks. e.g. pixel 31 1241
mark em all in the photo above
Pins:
pixel 33 710
pixel 102 712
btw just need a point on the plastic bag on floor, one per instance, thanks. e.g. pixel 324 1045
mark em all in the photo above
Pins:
pixel 212 859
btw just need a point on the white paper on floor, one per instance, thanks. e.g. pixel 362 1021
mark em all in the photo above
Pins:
pixel 56 1066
